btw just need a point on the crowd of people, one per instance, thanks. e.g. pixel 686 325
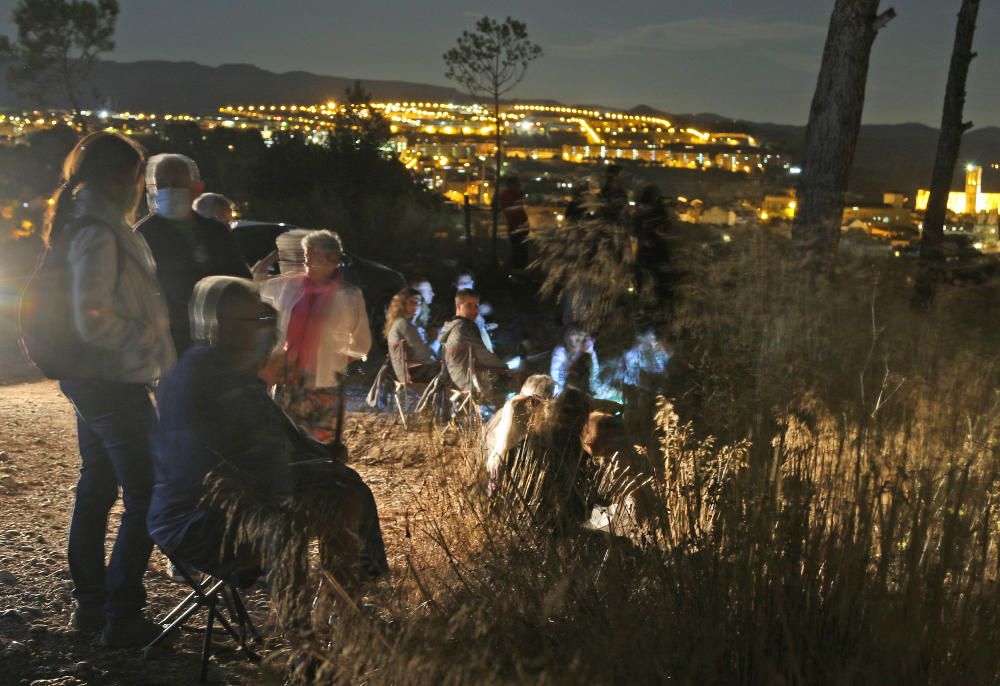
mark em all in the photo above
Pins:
pixel 200 375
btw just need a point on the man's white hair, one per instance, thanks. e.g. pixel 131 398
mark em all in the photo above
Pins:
pixel 207 204
pixel 154 163
pixel 203 310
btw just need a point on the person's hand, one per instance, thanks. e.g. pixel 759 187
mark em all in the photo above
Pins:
pixel 263 265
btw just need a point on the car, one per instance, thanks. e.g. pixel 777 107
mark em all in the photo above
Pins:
pixel 377 282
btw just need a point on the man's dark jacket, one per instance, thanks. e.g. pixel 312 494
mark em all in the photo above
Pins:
pixel 186 251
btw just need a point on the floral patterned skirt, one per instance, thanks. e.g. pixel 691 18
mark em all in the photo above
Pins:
pixel 314 410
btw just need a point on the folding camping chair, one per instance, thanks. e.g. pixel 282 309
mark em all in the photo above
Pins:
pixel 220 596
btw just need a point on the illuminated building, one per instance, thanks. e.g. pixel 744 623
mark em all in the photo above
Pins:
pixel 891 213
pixel 778 207
pixel 970 200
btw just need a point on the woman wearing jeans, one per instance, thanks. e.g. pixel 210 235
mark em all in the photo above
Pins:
pixel 122 322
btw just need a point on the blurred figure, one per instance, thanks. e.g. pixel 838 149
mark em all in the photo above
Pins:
pixel 411 357
pixel 227 455
pixel 613 197
pixel 508 427
pixel 186 246
pixel 122 320
pixel 426 290
pixel 324 327
pixel 574 362
pixel 215 206
pixel 653 259
pixel 548 470
pixel 511 200
pixel 645 363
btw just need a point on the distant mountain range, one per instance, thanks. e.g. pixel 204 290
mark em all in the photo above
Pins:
pixel 188 87
pixel 889 157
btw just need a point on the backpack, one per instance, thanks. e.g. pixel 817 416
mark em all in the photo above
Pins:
pixel 47 327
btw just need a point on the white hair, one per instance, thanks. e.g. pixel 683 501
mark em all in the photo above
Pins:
pixel 203 311
pixel 154 163
pixel 539 385
pixel 207 204
pixel 324 241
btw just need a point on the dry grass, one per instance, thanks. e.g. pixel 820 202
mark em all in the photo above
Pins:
pixel 824 512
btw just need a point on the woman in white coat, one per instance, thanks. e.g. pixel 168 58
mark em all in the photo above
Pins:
pixel 323 327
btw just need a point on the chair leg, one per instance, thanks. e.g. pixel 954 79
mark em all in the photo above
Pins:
pixel 170 628
pixel 238 615
pixel 400 408
pixel 206 649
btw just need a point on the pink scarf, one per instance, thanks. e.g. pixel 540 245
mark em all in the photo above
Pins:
pixel 305 326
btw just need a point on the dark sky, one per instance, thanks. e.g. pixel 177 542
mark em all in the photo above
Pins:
pixel 752 59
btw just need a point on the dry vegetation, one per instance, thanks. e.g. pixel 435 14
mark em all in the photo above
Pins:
pixel 824 512
pixel 823 507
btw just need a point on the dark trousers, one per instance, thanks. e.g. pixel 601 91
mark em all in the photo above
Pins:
pixel 114 425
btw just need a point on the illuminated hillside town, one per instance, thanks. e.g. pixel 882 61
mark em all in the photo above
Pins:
pixel 449 148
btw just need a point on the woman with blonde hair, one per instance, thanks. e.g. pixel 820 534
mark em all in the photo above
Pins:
pixel 411 357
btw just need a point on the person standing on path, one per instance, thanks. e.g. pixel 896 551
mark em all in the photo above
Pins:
pixel 121 320
pixel 186 246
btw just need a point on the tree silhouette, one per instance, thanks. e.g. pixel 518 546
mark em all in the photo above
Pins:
pixel 58 42
pixel 489 62
pixel 949 142
pixel 834 122
pixel 359 126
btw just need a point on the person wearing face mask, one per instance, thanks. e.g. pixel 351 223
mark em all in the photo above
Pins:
pixel 186 246
pixel 323 327
pixel 218 426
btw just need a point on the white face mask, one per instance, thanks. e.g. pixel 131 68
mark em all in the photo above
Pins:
pixel 172 203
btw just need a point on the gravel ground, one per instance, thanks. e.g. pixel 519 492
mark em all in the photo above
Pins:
pixel 38 470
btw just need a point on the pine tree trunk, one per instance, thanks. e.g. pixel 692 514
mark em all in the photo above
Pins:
pixel 834 122
pixel 495 199
pixel 949 142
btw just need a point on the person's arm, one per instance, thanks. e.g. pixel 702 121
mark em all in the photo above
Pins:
pixel 361 335
pixel 558 368
pixel 253 437
pixel 595 373
pixel 260 268
pixel 94 268
pixel 484 359
pixel 419 351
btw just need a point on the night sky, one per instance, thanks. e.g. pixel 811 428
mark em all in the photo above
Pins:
pixel 751 59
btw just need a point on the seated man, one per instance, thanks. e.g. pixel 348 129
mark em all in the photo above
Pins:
pixel 237 485
pixel 465 356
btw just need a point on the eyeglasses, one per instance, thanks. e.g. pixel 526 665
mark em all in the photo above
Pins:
pixel 263 317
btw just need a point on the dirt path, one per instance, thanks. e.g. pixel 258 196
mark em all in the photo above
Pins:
pixel 38 471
